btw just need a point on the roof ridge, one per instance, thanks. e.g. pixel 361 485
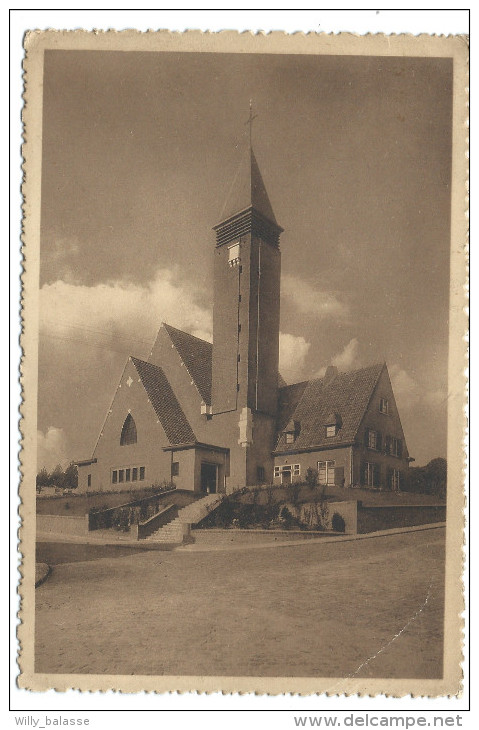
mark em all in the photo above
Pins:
pixel 183 332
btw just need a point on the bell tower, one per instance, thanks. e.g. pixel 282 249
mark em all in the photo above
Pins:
pixel 247 269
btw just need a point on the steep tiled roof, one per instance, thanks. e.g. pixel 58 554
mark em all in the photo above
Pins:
pixel 312 402
pixel 197 356
pixel 165 403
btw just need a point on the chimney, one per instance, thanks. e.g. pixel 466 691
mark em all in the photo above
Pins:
pixel 330 374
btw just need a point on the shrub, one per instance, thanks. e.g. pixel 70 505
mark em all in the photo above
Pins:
pixel 287 518
pixel 337 523
pixel 311 477
pixel 295 489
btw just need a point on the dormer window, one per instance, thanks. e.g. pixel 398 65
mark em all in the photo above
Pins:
pixel 332 425
pixel 292 431
pixel 234 254
pixel 383 406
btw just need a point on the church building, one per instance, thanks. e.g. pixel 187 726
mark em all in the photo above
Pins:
pixel 217 417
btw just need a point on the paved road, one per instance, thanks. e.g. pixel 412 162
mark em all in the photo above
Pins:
pixel 365 608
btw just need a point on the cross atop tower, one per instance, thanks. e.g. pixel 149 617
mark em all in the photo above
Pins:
pixel 250 122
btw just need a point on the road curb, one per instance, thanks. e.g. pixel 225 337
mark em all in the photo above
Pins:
pixel 42 571
pixel 312 541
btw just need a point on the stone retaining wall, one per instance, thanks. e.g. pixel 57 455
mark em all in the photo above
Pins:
pixel 381 517
pixel 62 524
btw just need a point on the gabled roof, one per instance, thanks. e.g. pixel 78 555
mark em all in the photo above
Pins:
pixel 197 356
pixel 248 191
pixel 312 402
pixel 165 403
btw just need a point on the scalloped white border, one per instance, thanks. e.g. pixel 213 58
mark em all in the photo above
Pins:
pixel 358 45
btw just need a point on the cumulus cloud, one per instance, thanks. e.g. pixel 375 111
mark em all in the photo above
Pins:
pixel 309 300
pixel 292 355
pixel 347 359
pixel 51 448
pixel 117 309
pixel 405 388
pixel 409 393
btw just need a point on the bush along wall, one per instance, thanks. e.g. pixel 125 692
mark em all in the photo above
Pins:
pixel 287 514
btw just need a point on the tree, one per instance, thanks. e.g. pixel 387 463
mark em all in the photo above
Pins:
pixel 311 477
pixel 71 476
pixel 43 479
pixel 57 477
pixel 429 479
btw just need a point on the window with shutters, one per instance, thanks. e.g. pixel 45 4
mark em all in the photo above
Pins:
pixel 326 472
pixel 373 439
pixel 128 432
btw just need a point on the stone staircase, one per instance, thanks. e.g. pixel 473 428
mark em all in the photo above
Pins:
pixel 177 531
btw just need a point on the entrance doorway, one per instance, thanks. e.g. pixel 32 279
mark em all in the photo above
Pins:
pixel 286 475
pixel 209 474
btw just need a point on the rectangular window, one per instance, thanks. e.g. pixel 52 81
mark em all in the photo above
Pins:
pixel 294 469
pixel 134 475
pixel 372 439
pixel 290 437
pixel 142 473
pixel 175 468
pixel 383 405
pixel 396 446
pixel 330 431
pixel 260 473
pixel 371 474
pixel 114 477
pixel 128 475
pixel 121 475
pixel 395 480
pixel 89 480
pixel 326 472
pixel 234 254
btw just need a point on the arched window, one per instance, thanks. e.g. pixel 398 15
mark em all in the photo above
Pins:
pixel 128 432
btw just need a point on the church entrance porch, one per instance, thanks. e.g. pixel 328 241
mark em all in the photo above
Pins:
pixel 209 477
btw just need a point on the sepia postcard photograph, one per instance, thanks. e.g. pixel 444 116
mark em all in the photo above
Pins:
pixel 243 377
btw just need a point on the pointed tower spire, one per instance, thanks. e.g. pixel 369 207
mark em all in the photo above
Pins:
pixel 247 190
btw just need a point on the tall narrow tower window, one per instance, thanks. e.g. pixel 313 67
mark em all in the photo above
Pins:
pixel 234 254
pixel 128 432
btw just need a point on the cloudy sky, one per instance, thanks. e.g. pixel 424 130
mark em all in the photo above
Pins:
pixel 139 151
